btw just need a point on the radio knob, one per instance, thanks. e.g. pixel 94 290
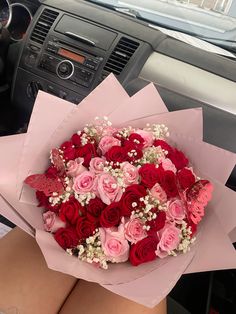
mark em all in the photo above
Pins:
pixel 65 69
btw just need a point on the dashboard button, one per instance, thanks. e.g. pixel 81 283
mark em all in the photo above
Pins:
pixel 30 59
pixel 34 48
pixel 62 94
pixel 92 64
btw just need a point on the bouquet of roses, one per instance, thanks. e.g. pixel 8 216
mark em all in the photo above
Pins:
pixel 118 194
pixel 126 191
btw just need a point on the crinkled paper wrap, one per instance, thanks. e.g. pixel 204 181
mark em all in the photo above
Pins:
pixel 51 124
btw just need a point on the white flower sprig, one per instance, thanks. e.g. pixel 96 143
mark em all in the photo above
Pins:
pixel 186 239
pixel 145 213
pixel 91 251
pixel 159 131
pixel 85 198
pixel 151 155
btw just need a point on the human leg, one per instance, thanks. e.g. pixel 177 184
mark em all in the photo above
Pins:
pixel 91 298
pixel 26 283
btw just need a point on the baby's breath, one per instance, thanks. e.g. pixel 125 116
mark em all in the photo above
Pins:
pixel 186 239
pixel 91 251
pixel 151 155
pixel 159 131
pixel 85 198
pixel 147 211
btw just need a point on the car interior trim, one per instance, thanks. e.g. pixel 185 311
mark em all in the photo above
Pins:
pixel 190 81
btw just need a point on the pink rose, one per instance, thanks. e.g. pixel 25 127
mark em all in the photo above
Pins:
pixel 109 130
pixel 108 189
pixel 158 192
pixel 107 142
pixel 167 164
pixel 176 210
pixel 84 182
pixel 134 231
pixel 130 173
pixel 169 240
pixel 75 167
pixel 96 165
pixel 51 222
pixel 114 244
pixel 147 137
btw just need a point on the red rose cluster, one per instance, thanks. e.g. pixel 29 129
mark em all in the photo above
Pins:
pixel 112 195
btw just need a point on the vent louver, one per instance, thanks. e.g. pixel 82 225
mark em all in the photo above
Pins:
pixel 43 25
pixel 121 55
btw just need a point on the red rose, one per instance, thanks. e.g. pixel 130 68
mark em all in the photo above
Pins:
pixel 185 178
pixel 137 140
pixel 116 154
pixel 66 238
pixel 43 202
pixel 88 151
pixel 69 151
pixel 111 215
pixel 163 145
pixel 132 151
pixel 84 228
pixel 158 223
pixel 143 251
pixel 167 180
pixel 94 210
pixel 70 211
pixel 132 195
pixel 76 140
pixel 51 172
pixel 149 175
pixel 178 158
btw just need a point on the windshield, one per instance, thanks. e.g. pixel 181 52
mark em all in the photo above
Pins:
pixel 212 20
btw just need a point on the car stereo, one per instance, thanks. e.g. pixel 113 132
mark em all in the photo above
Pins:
pixel 68 56
pixel 69 63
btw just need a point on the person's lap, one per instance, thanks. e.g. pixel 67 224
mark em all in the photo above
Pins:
pixel 25 281
pixel 27 285
pixel 87 298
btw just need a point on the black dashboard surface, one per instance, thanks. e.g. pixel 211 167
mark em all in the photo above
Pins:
pixel 120 30
pixel 159 42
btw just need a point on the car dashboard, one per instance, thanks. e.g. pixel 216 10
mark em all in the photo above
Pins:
pixel 71 46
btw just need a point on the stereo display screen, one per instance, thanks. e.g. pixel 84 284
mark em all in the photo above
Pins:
pixel 71 55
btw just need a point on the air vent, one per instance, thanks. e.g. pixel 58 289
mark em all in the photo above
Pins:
pixel 121 55
pixel 43 25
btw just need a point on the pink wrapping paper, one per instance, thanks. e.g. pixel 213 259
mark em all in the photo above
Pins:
pixel 11 214
pixel 133 108
pixel 11 146
pixel 144 284
pixel 63 111
pixel 44 104
pixel 232 235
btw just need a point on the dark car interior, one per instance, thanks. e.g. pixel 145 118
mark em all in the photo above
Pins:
pixel 66 48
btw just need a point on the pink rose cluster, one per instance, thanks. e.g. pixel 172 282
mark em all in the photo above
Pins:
pixel 115 195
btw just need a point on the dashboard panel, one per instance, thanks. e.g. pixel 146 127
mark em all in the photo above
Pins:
pixel 71 46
